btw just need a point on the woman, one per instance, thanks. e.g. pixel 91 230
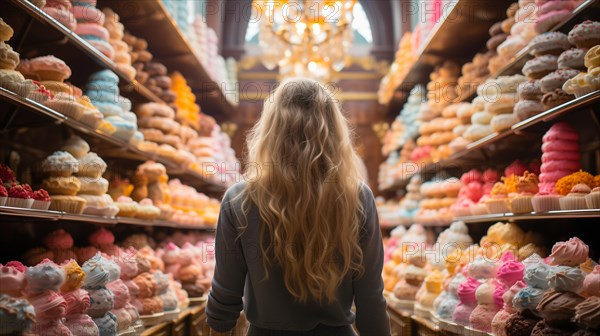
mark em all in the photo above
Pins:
pixel 300 238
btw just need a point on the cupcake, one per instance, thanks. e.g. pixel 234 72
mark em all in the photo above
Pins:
pixel 527 187
pixel 593 199
pixel 19 196
pixel 70 204
pixel 575 200
pixel 3 194
pixel 497 202
pixel 62 185
pixel 41 200
pixel 544 202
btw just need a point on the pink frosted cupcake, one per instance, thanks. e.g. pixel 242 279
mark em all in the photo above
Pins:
pixel 498 200
pixel 575 200
pixel 527 186
pixel 593 199
pixel 479 208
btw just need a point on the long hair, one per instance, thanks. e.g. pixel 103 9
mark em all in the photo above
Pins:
pixel 306 185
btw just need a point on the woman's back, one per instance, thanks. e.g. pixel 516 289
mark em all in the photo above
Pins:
pixel 300 238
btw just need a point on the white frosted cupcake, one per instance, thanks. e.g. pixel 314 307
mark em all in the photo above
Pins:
pixel 575 200
pixel 593 199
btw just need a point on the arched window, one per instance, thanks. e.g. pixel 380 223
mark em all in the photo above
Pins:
pixel 360 26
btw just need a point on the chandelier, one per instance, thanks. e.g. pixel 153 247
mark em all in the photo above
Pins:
pixel 305 38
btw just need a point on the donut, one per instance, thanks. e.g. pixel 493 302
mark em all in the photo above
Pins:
pixel 476 132
pixel 585 34
pixel 63 16
pixel 526 109
pixel 511 46
pixel 108 109
pixel 560 145
pixel 555 98
pixel 553 43
pixel 495 41
pixel 502 122
pixel 119 45
pixel 556 79
pixel 530 90
pixel 557 165
pixel 547 21
pixel 551 6
pixel 103 46
pixel 496 29
pixel 152 134
pixel 92 29
pixel 122 57
pixel 555 175
pixel 481 118
pixel 127 70
pixel 572 59
pixel 539 67
pixel 561 156
pixel 503 104
pixel 88 14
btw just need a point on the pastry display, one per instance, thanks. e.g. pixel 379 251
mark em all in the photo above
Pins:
pixel 90 27
pixel 61 11
pixel 115 29
pixel 78 301
pixel 104 93
pixel 406 125
pixel 97 275
pixel 43 284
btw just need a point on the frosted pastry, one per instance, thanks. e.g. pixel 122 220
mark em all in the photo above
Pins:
pixel 12 280
pixel 570 253
pixel 468 301
pixel 45 276
pixel 501 318
pixel 60 164
pixel 556 307
pixel 16 315
pixel 76 146
pixel 45 68
pixel 591 283
pixel 566 278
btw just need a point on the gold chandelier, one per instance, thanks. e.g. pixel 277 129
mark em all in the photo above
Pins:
pixel 305 38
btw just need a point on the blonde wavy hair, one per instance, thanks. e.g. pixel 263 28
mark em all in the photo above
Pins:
pixel 306 185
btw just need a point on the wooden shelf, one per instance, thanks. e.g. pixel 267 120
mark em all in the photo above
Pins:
pixel 468 19
pixel 588 8
pixel 38 34
pixel 51 216
pixel 119 147
pixel 150 20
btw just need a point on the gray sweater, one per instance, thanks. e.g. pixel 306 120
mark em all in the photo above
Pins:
pixel 267 303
